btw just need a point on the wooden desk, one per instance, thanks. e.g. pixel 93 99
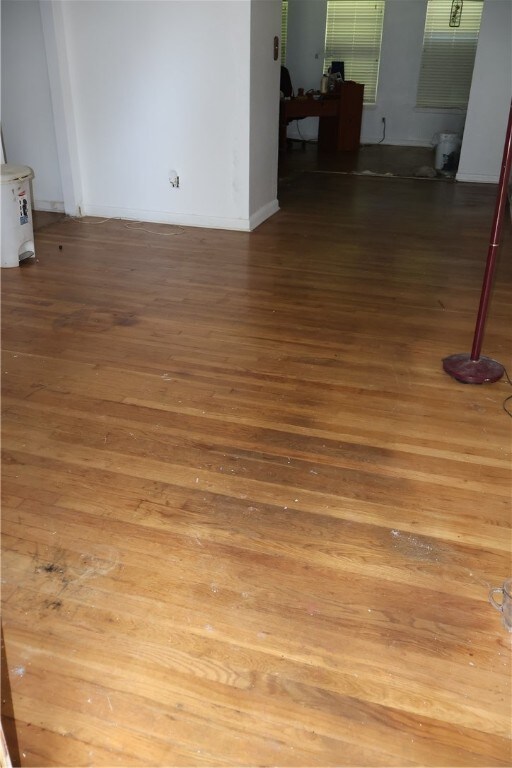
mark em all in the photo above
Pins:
pixel 340 118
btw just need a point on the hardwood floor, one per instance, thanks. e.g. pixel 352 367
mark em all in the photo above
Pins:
pixel 369 158
pixel 247 519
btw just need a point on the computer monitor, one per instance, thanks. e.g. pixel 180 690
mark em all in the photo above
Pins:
pixel 338 66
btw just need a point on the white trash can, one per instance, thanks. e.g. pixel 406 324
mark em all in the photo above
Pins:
pixel 447 152
pixel 17 228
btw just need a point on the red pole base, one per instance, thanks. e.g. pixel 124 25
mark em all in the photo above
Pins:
pixel 481 371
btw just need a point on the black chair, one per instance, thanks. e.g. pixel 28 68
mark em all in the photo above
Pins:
pixel 286 89
pixel 286 83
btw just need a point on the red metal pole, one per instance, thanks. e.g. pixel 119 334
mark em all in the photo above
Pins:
pixel 494 242
pixel 473 368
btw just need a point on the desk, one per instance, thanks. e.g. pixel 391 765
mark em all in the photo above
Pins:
pixel 340 116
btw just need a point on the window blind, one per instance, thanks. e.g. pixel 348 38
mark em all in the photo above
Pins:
pixel 353 34
pixel 284 30
pixel 448 55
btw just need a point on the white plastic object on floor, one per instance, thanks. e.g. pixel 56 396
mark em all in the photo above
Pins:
pixel 17 227
pixel 447 152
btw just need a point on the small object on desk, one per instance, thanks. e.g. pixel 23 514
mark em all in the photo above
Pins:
pixel 300 93
pixel 335 81
pixel 324 84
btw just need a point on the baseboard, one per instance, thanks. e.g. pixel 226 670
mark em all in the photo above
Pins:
pixel 163 217
pixel 477 178
pixel 51 206
pixel 397 142
pixel 263 213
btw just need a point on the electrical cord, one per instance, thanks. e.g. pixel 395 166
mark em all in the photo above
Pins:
pixel 300 134
pixel 180 230
pixel 301 137
pixel 506 400
pixel 383 132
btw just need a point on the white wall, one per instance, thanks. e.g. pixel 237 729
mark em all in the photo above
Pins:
pixel 489 100
pixel 305 45
pixel 147 101
pixel 140 87
pixel 402 43
pixel 27 117
pixel 306 42
pixel 264 110
pixel 400 61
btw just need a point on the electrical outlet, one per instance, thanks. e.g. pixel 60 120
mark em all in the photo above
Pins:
pixel 384 120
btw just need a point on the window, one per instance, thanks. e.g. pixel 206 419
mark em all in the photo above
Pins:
pixel 284 30
pixel 353 34
pixel 448 55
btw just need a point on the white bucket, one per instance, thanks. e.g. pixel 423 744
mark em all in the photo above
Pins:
pixel 447 152
pixel 17 228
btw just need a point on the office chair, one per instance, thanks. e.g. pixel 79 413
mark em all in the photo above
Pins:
pixel 286 83
pixel 287 91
